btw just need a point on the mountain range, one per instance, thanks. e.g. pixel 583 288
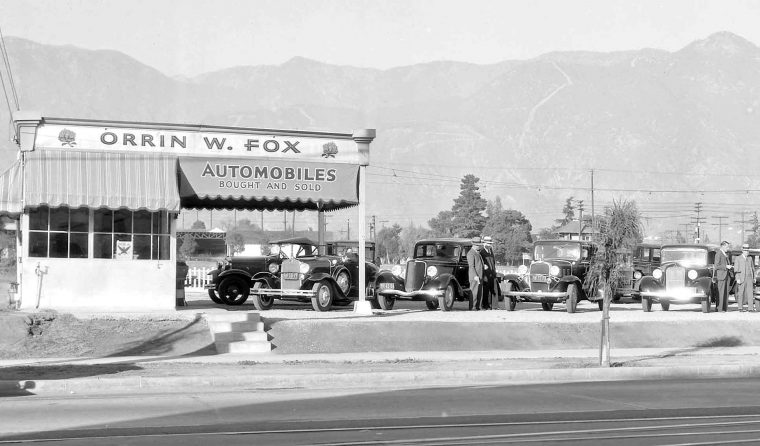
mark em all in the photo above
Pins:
pixel 666 129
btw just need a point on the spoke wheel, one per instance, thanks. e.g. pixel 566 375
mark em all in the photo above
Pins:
pixel 234 290
pixel 262 302
pixel 323 300
pixel 385 302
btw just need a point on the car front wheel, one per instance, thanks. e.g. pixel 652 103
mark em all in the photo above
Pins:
pixel 324 297
pixel 446 302
pixel 572 298
pixel 646 304
pixel 385 302
pixel 431 304
pixel 262 302
pixel 547 306
pixel 214 297
pixel 234 290
pixel 344 282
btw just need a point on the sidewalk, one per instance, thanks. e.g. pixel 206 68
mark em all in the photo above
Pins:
pixel 230 372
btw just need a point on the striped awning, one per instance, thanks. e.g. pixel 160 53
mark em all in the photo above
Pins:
pixel 101 179
pixel 10 190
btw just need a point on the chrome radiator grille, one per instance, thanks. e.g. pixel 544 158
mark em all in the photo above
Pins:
pixel 539 273
pixel 675 277
pixel 289 277
pixel 415 275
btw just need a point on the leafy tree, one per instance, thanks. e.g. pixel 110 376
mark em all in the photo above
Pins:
pixel 443 224
pixel 235 241
pixel 388 243
pixel 410 235
pixel 754 237
pixel 511 231
pixel 188 246
pixel 468 209
pixel 620 229
pixel 198 226
pixel 569 211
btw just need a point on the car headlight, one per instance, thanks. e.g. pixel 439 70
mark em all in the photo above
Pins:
pixel 334 262
pixel 273 268
pixel 432 271
pixel 304 268
pixel 657 274
pixel 692 274
pixel 554 270
pixel 522 269
pixel 397 270
pixel 637 275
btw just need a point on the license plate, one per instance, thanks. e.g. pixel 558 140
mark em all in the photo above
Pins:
pixel 539 278
pixel 290 276
pixel 387 286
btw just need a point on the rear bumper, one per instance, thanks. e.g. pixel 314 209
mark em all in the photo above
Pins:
pixel 534 296
pixel 411 295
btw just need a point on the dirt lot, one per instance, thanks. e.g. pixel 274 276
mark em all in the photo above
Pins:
pixel 50 334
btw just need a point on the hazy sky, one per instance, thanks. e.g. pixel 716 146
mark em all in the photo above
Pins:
pixel 194 36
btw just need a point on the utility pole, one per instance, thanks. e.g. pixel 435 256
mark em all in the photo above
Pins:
pixel 293 225
pixel 593 215
pixel 720 227
pixel 285 221
pixel 372 228
pixel 698 221
pixel 262 219
pixel 580 219
pixel 742 222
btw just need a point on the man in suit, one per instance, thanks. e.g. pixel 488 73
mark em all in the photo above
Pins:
pixel 744 271
pixel 490 296
pixel 475 273
pixel 722 268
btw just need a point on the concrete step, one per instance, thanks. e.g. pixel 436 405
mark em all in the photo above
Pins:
pixel 233 316
pixel 219 327
pixel 234 336
pixel 244 347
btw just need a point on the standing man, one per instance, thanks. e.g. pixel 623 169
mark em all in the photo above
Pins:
pixel 475 272
pixel 490 296
pixel 744 270
pixel 721 276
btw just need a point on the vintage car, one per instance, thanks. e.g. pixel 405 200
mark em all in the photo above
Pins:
pixel 556 274
pixel 294 270
pixel 437 274
pixel 646 258
pixel 685 275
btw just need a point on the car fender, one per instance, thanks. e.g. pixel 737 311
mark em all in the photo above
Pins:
pixel 567 280
pixel 389 277
pixel 314 278
pixel 234 272
pixel 269 278
pixel 649 283
pixel 706 284
pixel 445 279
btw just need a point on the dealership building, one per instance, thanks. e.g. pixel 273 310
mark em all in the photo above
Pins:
pixel 96 202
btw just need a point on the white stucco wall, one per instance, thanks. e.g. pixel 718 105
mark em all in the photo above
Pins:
pixel 97 284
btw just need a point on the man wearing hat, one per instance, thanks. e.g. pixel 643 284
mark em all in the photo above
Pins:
pixel 744 271
pixel 722 270
pixel 490 298
pixel 475 272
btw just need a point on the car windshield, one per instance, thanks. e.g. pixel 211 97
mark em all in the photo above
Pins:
pixel 439 250
pixel 687 256
pixel 569 251
pixel 288 251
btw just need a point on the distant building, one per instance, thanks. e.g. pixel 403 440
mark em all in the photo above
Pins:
pixel 570 231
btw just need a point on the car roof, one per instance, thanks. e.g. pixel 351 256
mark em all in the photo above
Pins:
pixel 560 240
pixel 457 240
pixel 295 241
pixel 691 245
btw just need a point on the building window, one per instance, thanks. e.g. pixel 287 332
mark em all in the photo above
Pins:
pixel 59 232
pixel 142 234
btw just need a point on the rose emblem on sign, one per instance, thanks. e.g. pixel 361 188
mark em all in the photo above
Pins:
pixel 67 138
pixel 329 150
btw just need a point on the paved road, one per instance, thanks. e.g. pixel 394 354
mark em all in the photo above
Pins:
pixel 640 412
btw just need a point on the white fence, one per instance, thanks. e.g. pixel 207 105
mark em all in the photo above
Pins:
pixel 197 277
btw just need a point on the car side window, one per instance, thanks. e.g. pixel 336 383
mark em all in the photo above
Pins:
pixel 656 255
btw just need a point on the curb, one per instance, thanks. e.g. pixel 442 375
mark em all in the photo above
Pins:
pixel 369 380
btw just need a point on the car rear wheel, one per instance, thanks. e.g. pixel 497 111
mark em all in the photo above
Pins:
pixel 234 290
pixel 572 298
pixel 509 302
pixel 431 304
pixel 214 297
pixel 324 297
pixel 262 302
pixel 547 306
pixel 646 304
pixel 665 306
pixel 446 302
